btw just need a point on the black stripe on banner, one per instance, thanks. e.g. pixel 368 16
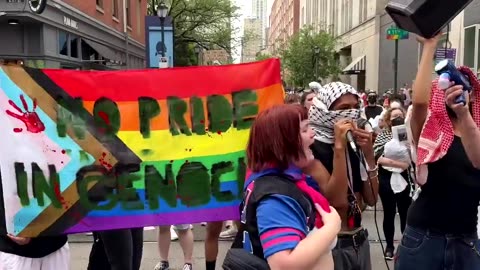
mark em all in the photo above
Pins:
pixel 113 144
pixel 128 161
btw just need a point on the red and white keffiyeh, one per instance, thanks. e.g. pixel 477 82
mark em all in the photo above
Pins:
pixel 437 133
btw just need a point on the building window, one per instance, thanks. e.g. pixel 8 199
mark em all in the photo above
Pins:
pixel 350 15
pixel 127 10
pixel 100 3
pixel 139 15
pixel 470 49
pixel 365 10
pixel 74 46
pixel 63 43
pixel 115 8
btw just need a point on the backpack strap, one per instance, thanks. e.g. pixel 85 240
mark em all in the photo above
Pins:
pixel 264 187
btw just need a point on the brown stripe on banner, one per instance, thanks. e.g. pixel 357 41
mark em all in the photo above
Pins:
pixel 89 144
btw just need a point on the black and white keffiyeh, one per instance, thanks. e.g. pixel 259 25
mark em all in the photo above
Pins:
pixel 380 142
pixel 321 119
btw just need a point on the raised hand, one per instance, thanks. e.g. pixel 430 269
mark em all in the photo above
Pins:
pixel 31 120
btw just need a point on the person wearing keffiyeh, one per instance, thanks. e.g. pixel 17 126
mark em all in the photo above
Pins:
pixel 342 178
pixel 394 178
pixel 441 230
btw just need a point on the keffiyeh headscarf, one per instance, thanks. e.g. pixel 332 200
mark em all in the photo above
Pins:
pixel 322 119
pixel 437 134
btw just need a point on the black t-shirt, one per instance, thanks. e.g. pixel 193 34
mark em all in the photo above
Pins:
pixel 324 153
pixel 373 111
pixel 37 247
pixel 449 200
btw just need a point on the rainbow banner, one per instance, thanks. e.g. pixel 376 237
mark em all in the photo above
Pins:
pixel 95 150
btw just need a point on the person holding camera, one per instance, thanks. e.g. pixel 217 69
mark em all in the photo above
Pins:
pixel 441 228
pixel 395 188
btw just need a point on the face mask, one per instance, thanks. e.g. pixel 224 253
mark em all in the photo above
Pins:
pixel 372 100
pixel 398 121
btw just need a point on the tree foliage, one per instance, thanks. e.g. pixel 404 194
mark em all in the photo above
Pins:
pixel 302 63
pixel 262 56
pixel 207 23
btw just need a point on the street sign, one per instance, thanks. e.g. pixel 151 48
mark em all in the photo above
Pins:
pixel 163 62
pixel 394 33
pixel 442 54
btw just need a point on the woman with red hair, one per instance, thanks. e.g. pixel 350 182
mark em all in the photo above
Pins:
pixel 282 224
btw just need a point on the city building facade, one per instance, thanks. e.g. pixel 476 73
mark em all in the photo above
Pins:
pixel 259 11
pixel 470 31
pixel 365 54
pixel 253 43
pixel 284 23
pixel 74 34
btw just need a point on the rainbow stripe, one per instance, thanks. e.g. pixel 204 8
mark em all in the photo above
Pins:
pixel 160 150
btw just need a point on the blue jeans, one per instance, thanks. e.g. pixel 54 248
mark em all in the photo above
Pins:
pixel 426 250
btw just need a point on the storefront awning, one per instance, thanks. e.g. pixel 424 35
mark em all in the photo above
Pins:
pixel 104 51
pixel 357 66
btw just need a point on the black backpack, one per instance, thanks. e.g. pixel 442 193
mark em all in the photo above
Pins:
pixel 237 257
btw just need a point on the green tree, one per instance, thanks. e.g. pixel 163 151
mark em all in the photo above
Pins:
pixel 262 56
pixel 310 55
pixel 206 23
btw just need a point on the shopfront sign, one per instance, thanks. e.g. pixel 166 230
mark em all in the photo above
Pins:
pixel 70 22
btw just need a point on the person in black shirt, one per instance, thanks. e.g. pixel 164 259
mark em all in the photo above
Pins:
pixel 441 228
pixel 342 178
pixel 372 109
pixel 20 253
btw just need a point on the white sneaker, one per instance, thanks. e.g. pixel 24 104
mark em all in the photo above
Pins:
pixel 173 234
pixel 203 224
pixel 229 234
pixel 187 266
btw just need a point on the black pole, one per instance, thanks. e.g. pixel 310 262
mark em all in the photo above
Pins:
pixel 395 69
pixel 162 30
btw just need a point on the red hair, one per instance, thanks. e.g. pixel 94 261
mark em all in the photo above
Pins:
pixel 275 138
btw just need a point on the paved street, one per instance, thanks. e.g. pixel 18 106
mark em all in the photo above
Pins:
pixel 80 247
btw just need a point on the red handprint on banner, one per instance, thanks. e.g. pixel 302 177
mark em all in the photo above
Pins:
pixel 30 119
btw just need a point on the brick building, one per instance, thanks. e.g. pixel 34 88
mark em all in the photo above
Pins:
pixel 101 34
pixel 284 22
pixel 210 57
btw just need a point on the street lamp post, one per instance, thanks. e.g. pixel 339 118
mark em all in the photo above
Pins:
pixel 162 12
pixel 198 49
pixel 317 52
